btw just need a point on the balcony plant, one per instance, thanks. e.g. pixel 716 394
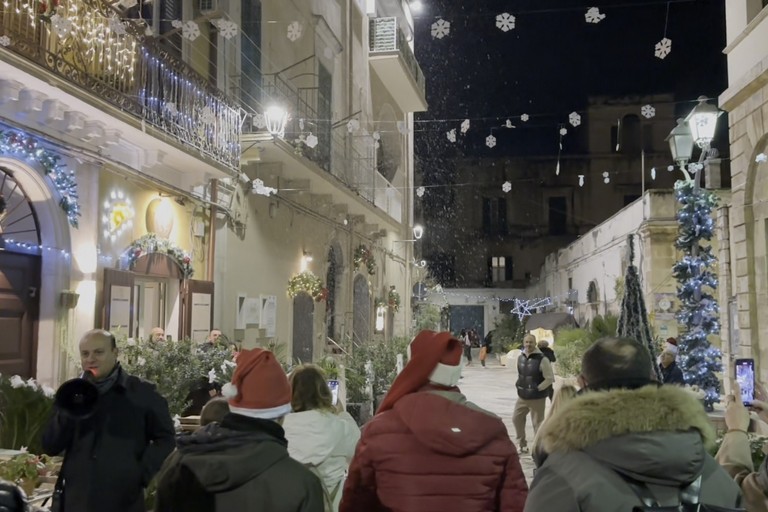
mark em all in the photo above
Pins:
pixel 25 406
pixel 364 257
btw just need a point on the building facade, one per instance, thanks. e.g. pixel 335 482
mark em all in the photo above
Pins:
pixel 132 142
pixel 744 222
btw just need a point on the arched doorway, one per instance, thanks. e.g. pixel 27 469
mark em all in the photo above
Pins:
pixel 361 306
pixel 303 324
pixel 19 279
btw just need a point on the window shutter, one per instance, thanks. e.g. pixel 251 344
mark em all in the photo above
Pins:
pixel 509 274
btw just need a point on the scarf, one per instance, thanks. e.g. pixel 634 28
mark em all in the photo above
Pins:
pixel 106 383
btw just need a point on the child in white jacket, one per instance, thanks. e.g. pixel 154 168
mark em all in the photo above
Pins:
pixel 318 435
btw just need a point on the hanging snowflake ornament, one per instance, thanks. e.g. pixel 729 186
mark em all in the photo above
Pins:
pixel 440 29
pixel 420 191
pixel 177 24
pixel 761 158
pixel 311 141
pixel 353 125
pixel 648 111
pixel 451 135
pixel 170 107
pixel 593 15
pixel 62 26
pixel 663 48
pixel 505 22
pixel 653 173
pixel 208 116
pixel 490 141
pixel 581 180
pixel 563 131
pixel 116 26
pixel 294 31
pixel 606 177
pixel 5 41
pixel 227 29
pixel 506 187
pixel 574 119
pixel 465 126
pixel 524 118
pixel 190 31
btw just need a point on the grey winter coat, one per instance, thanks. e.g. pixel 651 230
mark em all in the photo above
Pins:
pixel 657 435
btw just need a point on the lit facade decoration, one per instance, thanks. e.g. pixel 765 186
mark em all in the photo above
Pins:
pixel 118 215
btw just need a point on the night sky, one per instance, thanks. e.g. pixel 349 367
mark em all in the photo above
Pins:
pixel 550 63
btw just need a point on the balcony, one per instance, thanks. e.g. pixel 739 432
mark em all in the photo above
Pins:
pixel 395 64
pixel 85 44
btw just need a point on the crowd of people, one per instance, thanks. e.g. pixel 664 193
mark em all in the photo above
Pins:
pixel 622 441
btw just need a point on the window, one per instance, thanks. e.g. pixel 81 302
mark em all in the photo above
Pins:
pixel 250 54
pixel 495 215
pixel 631 133
pixel 558 215
pixel 500 269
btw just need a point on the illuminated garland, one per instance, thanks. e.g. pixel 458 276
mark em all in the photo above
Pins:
pixel 309 283
pixel 364 256
pixel 21 145
pixel 393 299
pixel 150 243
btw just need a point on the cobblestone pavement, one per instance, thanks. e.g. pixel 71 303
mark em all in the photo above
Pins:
pixel 493 388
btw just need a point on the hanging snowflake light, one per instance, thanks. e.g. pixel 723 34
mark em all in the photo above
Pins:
pixel 663 48
pixel 311 141
pixel 574 119
pixel 593 15
pixel 653 173
pixel 670 168
pixel 353 125
pixel 190 31
pixel 227 29
pixel 506 187
pixel 420 191
pixel 465 126
pixel 581 180
pixel 648 111
pixel 451 135
pixel 524 118
pixel 606 177
pixel 490 141
pixel 563 131
pixel 295 29
pixel 761 158
pixel 5 41
pixel 440 29
pixel 177 23
pixel 505 22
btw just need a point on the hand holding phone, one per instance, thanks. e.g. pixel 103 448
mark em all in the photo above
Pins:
pixel 745 377
pixel 334 386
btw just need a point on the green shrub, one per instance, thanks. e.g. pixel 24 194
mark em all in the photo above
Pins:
pixel 25 407
pixel 571 343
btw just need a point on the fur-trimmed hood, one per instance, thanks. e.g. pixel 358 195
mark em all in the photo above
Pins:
pixel 653 433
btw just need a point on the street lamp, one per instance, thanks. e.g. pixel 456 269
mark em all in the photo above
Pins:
pixel 681 143
pixel 418 231
pixel 702 121
pixel 276 118
pixel 699 127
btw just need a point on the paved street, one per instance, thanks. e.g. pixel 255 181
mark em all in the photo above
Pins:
pixel 494 389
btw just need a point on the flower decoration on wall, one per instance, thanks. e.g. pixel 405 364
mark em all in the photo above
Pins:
pixel 309 283
pixel 393 299
pixel 118 215
pixel 19 144
pixel 364 257
pixel 151 243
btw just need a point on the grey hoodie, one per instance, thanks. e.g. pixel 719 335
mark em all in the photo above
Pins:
pixel 657 435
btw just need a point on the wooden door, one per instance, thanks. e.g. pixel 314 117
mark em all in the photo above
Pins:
pixel 196 309
pixel 303 328
pixel 19 308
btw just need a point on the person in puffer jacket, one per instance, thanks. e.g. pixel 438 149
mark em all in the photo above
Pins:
pixel 430 450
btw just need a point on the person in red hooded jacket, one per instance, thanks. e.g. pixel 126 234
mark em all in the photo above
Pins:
pixel 428 449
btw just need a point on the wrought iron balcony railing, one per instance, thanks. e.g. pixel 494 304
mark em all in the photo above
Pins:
pixel 86 44
pixel 386 37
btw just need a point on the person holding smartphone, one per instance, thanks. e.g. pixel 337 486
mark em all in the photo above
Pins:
pixel 735 454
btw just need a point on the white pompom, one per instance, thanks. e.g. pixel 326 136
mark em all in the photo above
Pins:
pixel 229 390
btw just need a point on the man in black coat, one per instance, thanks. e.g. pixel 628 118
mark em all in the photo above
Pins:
pixel 670 372
pixel 112 454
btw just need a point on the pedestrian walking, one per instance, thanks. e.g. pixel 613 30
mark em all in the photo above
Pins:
pixel 467 344
pixel 428 449
pixel 111 454
pixel 242 464
pixel 486 346
pixel 534 384
pixel 320 435
pixel 627 443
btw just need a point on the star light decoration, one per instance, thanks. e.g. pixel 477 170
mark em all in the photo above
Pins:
pixel 593 15
pixel 648 111
pixel 522 308
pixel 440 29
pixel 295 30
pixel 420 191
pixel 505 22
pixel 490 141
pixel 663 48
pixel 574 119
pixel 506 187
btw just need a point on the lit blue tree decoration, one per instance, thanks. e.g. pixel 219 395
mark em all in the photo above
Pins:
pixel 696 285
pixel 21 145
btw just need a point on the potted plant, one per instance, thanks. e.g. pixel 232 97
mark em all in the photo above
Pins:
pixel 25 470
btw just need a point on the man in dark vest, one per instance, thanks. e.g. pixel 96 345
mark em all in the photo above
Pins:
pixel 534 384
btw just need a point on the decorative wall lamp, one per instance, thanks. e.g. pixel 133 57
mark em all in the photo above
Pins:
pixel 306 259
pixel 276 118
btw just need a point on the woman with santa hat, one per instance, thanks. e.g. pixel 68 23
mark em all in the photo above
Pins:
pixel 430 450
pixel 670 372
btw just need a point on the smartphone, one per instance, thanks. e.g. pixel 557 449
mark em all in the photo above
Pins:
pixel 334 385
pixel 745 376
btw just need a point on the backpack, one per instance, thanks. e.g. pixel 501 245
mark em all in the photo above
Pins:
pixel 328 496
pixel 689 499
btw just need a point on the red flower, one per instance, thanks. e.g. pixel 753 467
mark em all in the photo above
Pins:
pixel 186 260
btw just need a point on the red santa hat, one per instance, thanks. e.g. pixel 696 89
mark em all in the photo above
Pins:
pixel 433 357
pixel 671 346
pixel 259 387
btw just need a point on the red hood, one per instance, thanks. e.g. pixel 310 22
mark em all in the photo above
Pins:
pixel 447 425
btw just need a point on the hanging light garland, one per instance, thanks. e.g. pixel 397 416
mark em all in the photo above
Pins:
pixel 22 145
pixel 309 283
pixel 151 243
